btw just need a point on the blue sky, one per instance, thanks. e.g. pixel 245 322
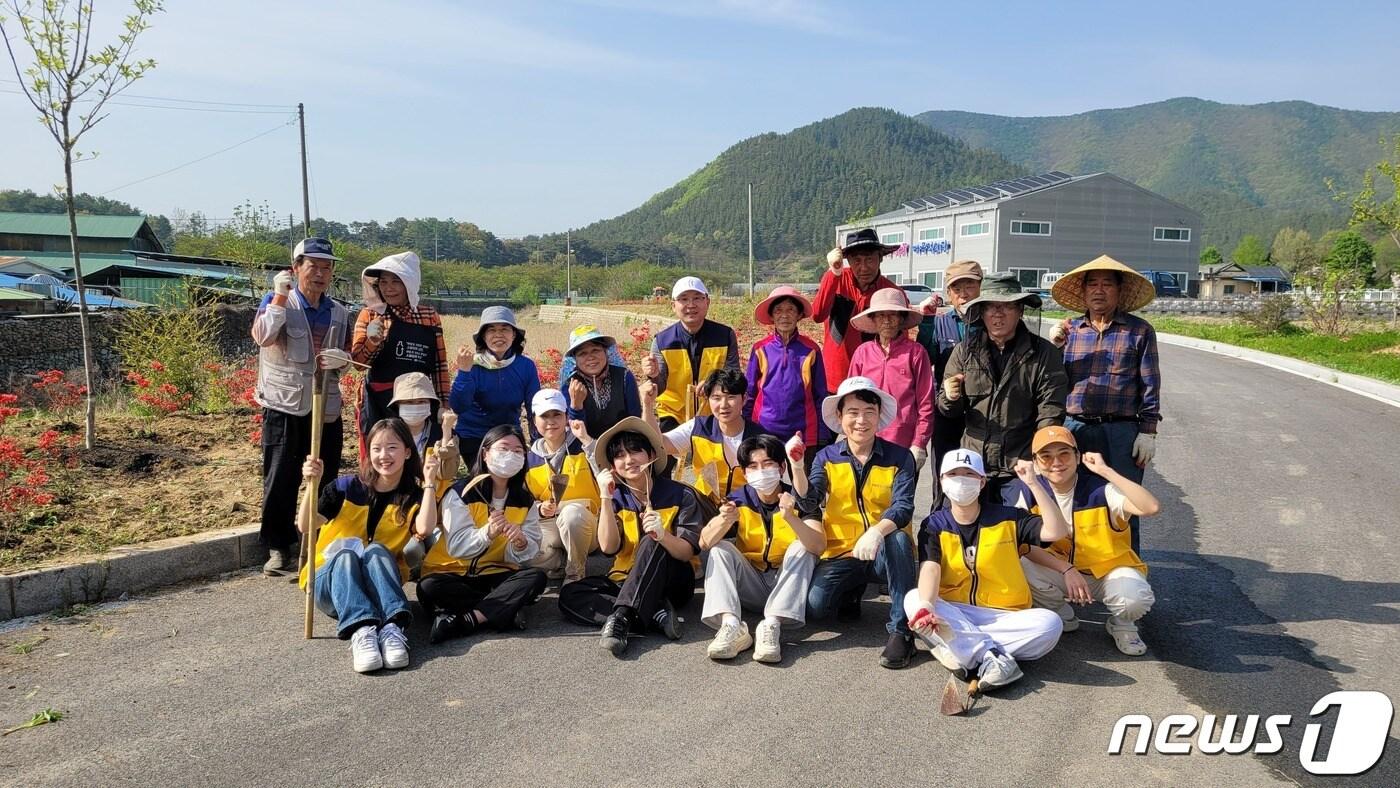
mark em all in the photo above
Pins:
pixel 534 117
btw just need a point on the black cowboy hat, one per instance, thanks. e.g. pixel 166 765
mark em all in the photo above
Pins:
pixel 866 239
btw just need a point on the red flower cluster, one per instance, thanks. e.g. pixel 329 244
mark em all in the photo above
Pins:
pixel 161 397
pixel 7 407
pixel 548 367
pixel 22 478
pixel 53 392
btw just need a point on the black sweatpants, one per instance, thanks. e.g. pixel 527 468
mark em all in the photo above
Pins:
pixel 656 575
pixel 286 440
pixel 499 595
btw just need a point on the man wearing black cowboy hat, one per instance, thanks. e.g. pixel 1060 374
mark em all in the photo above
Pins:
pixel 1004 380
pixel 843 292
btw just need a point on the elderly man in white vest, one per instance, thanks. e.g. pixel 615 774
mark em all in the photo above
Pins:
pixel 298 329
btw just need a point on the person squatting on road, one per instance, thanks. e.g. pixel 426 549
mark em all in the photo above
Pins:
pixel 368 518
pixel 494 383
pixel 900 367
pixel 770 562
pixel 844 291
pixel 299 330
pixel 561 479
pixel 973 604
pixel 1097 505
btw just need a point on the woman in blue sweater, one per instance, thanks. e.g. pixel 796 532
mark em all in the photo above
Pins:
pixel 494 383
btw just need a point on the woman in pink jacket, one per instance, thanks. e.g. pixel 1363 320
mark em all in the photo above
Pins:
pixel 900 366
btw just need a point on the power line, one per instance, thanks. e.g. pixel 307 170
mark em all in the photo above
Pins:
pixel 200 159
pixel 163 106
pixel 188 101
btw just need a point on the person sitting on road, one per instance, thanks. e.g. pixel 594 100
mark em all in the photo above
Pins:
pixel 712 440
pixel 787 381
pixel 770 562
pixel 601 390
pixel 861 493
pixel 1097 505
pixel 899 366
pixel 561 479
pixel 495 382
pixel 650 525
pixel 973 604
pixel 369 517
pixel 476 574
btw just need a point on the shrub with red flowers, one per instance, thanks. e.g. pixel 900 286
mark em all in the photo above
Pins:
pixel 52 391
pixel 27 474
pixel 548 366
pixel 154 391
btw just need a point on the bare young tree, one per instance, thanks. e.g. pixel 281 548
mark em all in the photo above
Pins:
pixel 69 83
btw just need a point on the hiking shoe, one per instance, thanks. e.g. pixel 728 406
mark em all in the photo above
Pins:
pixel 1126 639
pixel 731 639
pixel 849 609
pixel 364 650
pixel 1068 617
pixel 668 623
pixel 770 646
pixel 615 633
pixel 997 670
pixel 898 650
pixel 393 646
pixel 279 561
pixel 446 626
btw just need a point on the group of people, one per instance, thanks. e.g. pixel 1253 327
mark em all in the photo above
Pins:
pixel 788 484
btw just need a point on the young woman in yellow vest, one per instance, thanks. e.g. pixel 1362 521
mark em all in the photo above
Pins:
pixel 713 440
pixel 650 525
pixel 570 513
pixel 369 517
pixel 768 565
pixel 475 575
pixel 973 605
pixel 861 491
pixel 1096 560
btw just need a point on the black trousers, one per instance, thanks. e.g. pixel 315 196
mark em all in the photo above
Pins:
pixel 666 423
pixel 656 576
pixel 469 448
pixel 286 441
pixel 499 596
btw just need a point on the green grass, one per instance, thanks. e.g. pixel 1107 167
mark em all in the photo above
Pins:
pixel 1359 353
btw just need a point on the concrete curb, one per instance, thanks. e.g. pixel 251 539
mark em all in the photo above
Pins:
pixel 1356 384
pixel 129 569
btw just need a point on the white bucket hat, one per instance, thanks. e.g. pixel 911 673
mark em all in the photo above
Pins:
pixel 858 383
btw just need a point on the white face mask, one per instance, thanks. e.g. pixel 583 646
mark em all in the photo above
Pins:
pixel 415 414
pixel 765 480
pixel 961 490
pixel 504 463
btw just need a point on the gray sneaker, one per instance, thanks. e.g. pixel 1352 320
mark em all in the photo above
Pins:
pixel 279 561
pixel 998 670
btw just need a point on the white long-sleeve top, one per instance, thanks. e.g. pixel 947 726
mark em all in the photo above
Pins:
pixel 467 538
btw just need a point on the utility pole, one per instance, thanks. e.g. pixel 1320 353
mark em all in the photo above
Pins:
pixel 435 242
pixel 751 285
pixel 568 267
pixel 305 183
pixel 291 232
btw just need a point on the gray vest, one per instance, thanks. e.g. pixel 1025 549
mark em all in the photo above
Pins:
pixel 286 367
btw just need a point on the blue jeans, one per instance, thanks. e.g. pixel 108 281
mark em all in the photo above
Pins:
pixel 837 578
pixel 357 591
pixel 1114 440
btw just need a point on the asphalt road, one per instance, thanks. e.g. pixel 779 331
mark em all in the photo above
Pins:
pixel 1270 562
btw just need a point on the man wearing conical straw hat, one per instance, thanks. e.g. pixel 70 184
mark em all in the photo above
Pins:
pixel 1114 402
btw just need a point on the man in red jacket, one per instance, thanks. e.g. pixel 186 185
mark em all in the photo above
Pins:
pixel 843 292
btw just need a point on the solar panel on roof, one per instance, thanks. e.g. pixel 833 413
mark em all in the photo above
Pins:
pixel 983 191
pixel 1058 176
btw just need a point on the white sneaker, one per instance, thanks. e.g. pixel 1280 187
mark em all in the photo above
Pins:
pixel 770 647
pixel 729 641
pixel 394 646
pixel 1068 617
pixel 1126 638
pixel 364 650
pixel 945 658
pixel 998 670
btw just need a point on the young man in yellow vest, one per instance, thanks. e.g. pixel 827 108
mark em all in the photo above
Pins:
pixel 1096 560
pixel 712 440
pixel 973 604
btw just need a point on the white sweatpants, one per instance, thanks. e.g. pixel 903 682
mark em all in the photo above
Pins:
pixel 731 582
pixel 567 540
pixel 1022 634
pixel 1124 591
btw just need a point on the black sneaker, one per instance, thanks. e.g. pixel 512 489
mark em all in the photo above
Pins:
pixel 898 650
pixel 615 631
pixel 849 609
pixel 667 622
pixel 446 626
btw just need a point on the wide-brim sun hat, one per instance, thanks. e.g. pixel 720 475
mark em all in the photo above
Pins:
pixel 831 416
pixel 887 299
pixel 763 313
pixel 1000 289
pixel 493 315
pixel 1136 292
pixel 413 385
pixel 629 424
pixel 584 334
pixel 866 239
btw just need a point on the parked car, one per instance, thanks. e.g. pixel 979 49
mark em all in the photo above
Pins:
pixel 1165 284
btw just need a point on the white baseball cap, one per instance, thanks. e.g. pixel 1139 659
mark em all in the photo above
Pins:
pixel 546 400
pixel 686 284
pixel 962 458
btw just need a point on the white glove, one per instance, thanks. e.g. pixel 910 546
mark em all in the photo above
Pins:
pixel 375 329
pixel 834 258
pixel 920 457
pixel 282 283
pixel 953 386
pixel 334 358
pixel 652 525
pixel 1144 447
pixel 1059 333
pixel 868 545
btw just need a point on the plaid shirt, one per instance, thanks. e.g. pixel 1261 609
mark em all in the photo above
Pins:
pixel 1114 373
pixel 363 351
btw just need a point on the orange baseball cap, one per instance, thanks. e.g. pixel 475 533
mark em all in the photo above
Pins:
pixel 1048 435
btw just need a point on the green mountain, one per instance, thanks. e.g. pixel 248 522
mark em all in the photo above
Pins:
pixel 804 183
pixel 1248 168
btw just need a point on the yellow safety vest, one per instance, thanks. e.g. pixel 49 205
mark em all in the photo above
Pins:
pixel 714 342
pixel 581 487
pixel 353 521
pixel 996 578
pixel 1096 543
pixel 490 561
pixel 850 511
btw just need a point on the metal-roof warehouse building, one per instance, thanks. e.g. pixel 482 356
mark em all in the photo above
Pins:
pixel 1036 225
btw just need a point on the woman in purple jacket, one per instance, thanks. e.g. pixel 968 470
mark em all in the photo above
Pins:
pixel 787 381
